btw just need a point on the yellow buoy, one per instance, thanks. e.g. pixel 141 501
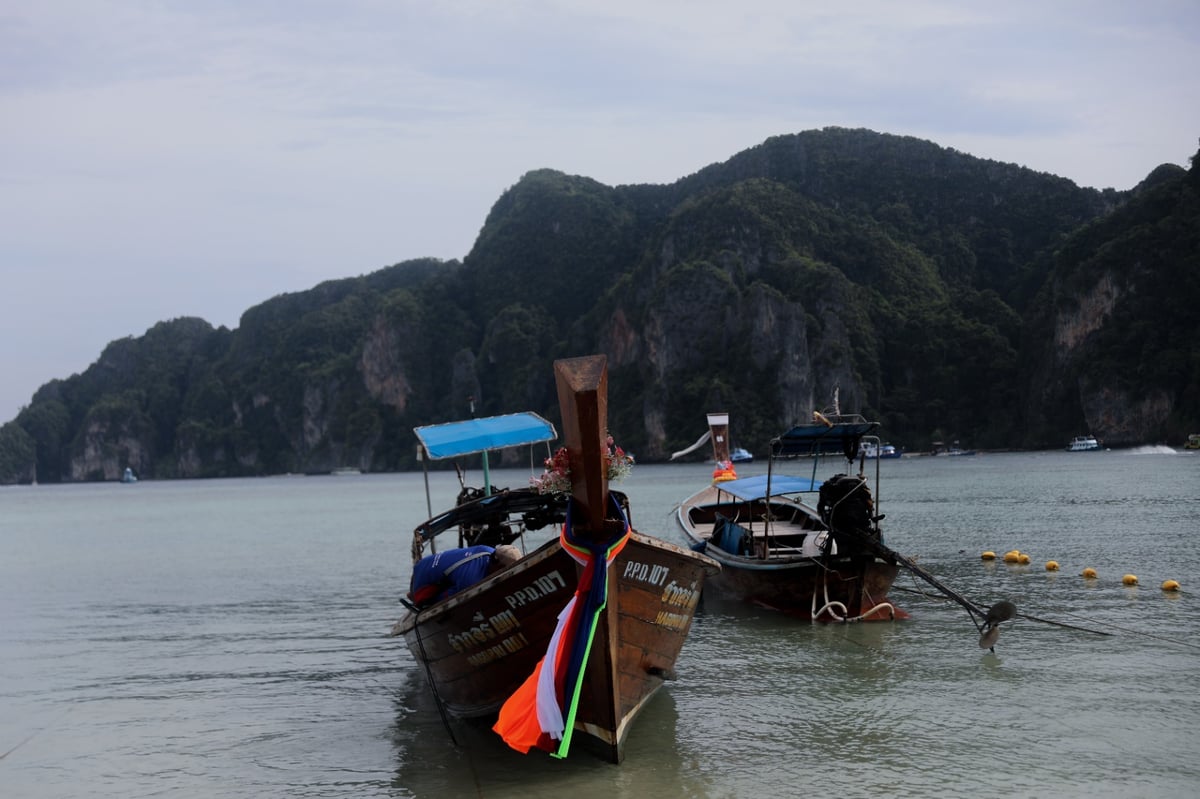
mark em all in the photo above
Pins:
pixel 1089 573
pixel 988 555
pixel 1052 565
pixel 1129 579
pixel 1170 585
pixel 1023 558
pixel 1012 556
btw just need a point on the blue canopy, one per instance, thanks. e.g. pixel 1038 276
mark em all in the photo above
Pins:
pixel 453 439
pixel 751 488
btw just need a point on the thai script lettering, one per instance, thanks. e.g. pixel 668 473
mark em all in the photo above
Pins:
pixel 509 645
pixel 485 631
pixel 681 596
pixel 672 621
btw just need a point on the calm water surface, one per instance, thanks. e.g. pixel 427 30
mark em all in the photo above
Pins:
pixel 227 638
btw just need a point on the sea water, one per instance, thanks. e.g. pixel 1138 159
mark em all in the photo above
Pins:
pixel 228 638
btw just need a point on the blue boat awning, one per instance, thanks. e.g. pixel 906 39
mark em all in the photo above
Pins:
pixel 453 439
pixel 751 488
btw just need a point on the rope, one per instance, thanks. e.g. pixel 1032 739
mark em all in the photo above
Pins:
pixel 881 549
pixel 1019 615
pixel 1136 632
pixel 437 698
pixel 830 604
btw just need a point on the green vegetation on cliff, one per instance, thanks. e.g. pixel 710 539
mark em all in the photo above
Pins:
pixel 949 296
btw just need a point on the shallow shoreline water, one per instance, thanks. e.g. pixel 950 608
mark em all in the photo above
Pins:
pixel 228 638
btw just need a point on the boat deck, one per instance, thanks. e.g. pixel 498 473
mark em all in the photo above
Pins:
pixel 780 531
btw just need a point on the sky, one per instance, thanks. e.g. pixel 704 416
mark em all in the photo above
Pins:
pixel 170 158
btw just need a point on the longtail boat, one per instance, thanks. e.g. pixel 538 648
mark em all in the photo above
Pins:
pixel 822 559
pixel 573 639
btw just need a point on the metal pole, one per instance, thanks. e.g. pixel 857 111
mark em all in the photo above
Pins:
pixel 424 456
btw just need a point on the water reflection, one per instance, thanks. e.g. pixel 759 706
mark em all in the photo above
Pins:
pixel 470 759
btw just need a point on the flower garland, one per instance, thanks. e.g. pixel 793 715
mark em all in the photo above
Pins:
pixel 556 479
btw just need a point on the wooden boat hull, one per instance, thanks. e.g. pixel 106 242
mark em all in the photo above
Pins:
pixel 479 646
pixel 852 584
pixel 848 587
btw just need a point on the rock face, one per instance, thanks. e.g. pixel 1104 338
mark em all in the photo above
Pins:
pixel 1119 419
pixel 107 448
pixel 1089 312
pixel 1121 309
pixel 1113 415
pixel 787 355
pixel 382 369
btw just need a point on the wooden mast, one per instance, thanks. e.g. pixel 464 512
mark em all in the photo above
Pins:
pixel 583 399
pixel 582 385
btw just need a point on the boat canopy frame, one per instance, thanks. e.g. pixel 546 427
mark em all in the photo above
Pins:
pixel 827 435
pixel 831 434
pixel 479 436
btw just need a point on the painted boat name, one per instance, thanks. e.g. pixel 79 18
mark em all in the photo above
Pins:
pixel 499 633
pixel 540 587
pixel 673 595
pixel 485 631
pixel 653 574
pixel 682 597
pixel 511 644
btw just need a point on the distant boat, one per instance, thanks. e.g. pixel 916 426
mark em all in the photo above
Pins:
pixel 1193 441
pixel 872 451
pixel 954 449
pixel 740 455
pixel 1083 444
pixel 128 476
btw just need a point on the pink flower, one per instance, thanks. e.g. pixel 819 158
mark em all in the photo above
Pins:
pixel 556 479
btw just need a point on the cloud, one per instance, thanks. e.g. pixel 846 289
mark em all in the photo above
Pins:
pixel 174 158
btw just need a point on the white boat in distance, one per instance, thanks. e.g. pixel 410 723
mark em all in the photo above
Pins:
pixel 1083 444
pixel 740 455
pixel 873 451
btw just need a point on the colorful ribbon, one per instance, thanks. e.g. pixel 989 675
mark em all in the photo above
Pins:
pixel 534 714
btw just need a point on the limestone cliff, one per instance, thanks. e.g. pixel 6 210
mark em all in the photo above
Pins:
pixel 1122 322
pixel 110 443
pixel 946 296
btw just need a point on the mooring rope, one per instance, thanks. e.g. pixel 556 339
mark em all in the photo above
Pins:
pixel 437 697
pixel 831 604
pixel 1141 633
pixel 1065 625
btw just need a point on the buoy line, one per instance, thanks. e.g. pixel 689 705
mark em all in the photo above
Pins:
pixel 1030 617
pixel 1064 624
pixel 1016 556
pixel 1138 632
pixel 1019 615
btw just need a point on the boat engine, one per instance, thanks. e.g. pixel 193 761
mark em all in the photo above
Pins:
pixel 846 505
pixel 492 529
